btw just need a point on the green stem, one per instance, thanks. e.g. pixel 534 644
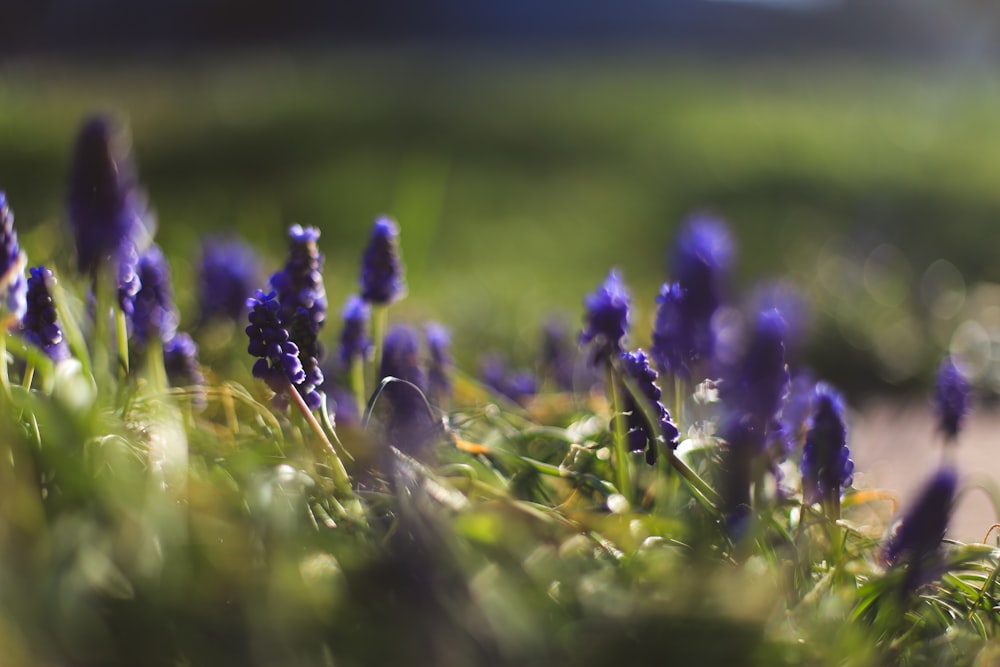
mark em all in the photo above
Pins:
pixel 4 376
pixel 358 383
pixel 29 375
pixel 380 320
pixel 154 366
pixel 341 481
pixel 331 432
pixel 705 494
pixel 121 338
pixel 623 478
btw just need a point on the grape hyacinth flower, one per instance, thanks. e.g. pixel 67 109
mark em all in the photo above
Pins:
pixel 354 340
pixel 701 263
pixel 300 283
pixel 382 281
pixel 951 398
pixel 104 208
pixel 439 365
pixel 40 324
pixel 606 318
pixel 641 434
pixel 557 356
pixel 154 316
pixel 826 463
pixel 13 287
pixel 180 359
pixel 409 426
pixel 756 388
pixel 518 386
pixel 302 331
pixel 278 362
pixel 674 337
pixel 228 272
pixel 917 538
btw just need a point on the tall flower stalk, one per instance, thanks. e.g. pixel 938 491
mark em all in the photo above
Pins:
pixel 13 288
pixel 382 279
pixel 107 216
pixel 606 317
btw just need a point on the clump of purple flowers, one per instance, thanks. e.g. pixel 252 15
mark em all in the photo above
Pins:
pixel 606 317
pixel 382 279
pixel 40 324
pixel 228 273
pixel 642 433
pixel 285 323
pixel 826 460
pixel 13 287
pixel 278 362
pixel 951 398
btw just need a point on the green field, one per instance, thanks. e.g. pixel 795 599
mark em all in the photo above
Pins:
pixel 519 182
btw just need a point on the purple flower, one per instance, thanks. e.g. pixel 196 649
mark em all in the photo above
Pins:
pixel 354 339
pixel 278 361
pixel 826 462
pixel 439 364
pixel 40 325
pixel 951 398
pixel 300 283
pixel 701 262
pixel 154 315
pixel 13 287
pixel 228 272
pixel 557 355
pixel 409 425
pixel 675 333
pixel 606 318
pixel 643 435
pixel 180 359
pixel 917 539
pixel 797 408
pixel 401 356
pixel 302 332
pixel 382 280
pixel 518 386
pixel 756 387
pixel 104 207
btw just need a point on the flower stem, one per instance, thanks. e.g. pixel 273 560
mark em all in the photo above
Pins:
pixel 623 478
pixel 358 383
pixel 325 448
pixel 380 320
pixel 121 337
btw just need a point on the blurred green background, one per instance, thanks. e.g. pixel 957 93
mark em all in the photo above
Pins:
pixel 518 181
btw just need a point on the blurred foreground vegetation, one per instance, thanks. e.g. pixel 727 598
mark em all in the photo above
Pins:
pixel 518 180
